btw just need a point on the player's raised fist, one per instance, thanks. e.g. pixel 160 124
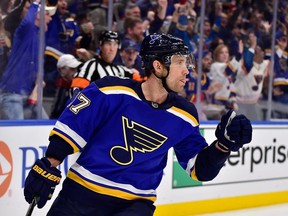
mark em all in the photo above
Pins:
pixel 233 131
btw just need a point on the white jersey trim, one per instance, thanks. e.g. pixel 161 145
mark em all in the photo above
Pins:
pixel 98 179
pixel 67 130
pixel 190 165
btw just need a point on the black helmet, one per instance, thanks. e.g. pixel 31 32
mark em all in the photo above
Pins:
pixel 109 36
pixel 161 47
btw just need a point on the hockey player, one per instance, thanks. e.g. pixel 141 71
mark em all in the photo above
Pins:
pixel 124 130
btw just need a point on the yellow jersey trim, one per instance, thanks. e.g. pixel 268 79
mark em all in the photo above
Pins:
pixel 119 89
pixel 106 191
pixel 75 148
pixel 186 114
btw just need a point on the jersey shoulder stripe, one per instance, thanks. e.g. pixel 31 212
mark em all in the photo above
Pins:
pixel 186 116
pixel 184 109
pixel 115 81
pixel 119 90
pixel 179 105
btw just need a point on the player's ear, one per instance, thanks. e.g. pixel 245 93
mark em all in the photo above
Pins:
pixel 157 65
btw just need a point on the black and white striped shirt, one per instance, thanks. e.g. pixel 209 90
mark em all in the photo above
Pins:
pixel 95 69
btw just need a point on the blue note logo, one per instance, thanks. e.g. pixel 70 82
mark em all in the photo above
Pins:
pixel 138 138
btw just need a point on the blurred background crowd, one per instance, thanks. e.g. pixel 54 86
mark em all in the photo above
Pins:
pixel 233 43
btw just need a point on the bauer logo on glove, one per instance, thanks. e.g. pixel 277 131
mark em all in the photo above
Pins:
pixel 45 174
pixel 41 182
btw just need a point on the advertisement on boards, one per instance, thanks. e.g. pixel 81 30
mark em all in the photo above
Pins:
pixel 257 168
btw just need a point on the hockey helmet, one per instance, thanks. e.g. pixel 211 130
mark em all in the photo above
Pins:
pixel 163 47
pixel 109 36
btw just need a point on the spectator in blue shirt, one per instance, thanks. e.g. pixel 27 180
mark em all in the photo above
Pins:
pixel 20 75
pixel 60 38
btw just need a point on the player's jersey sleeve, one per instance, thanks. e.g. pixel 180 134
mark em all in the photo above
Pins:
pixel 82 117
pixel 193 142
pixel 186 155
pixel 201 161
pixel 208 163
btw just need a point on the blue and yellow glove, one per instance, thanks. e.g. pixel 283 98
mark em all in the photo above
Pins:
pixel 41 182
pixel 233 131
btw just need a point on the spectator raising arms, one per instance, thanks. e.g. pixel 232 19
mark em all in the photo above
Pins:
pixel 60 39
pixel 62 31
pixel 20 75
pixel 5 45
pixel 249 80
pixel 222 74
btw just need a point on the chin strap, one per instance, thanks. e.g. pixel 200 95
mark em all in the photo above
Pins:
pixel 163 79
pixel 164 83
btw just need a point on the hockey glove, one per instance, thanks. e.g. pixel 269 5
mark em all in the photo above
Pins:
pixel 41 181
pixel 233 131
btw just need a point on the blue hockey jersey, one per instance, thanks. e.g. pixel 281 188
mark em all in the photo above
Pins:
pixel 124 139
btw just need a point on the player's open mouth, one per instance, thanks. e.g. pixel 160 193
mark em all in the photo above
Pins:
pixel 183 81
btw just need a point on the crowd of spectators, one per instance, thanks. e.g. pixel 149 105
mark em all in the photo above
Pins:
pixel 236 52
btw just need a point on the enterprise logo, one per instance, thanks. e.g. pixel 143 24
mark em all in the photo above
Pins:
pixel 6 168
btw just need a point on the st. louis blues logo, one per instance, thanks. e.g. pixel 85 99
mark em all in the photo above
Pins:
pixel 154 38
pixel 137 138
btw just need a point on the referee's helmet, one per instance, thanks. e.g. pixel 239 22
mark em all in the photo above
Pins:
pixel 109 36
